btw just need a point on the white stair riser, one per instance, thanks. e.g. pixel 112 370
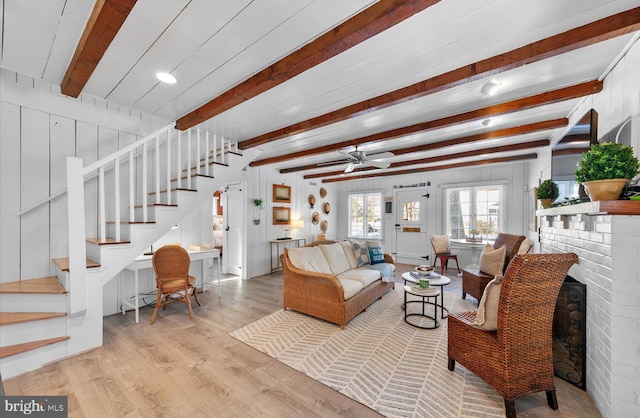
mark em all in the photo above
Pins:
pixel 29 302
pixel 33 359
pixel 33 330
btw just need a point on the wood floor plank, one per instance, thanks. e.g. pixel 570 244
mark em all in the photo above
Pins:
pixel 184 367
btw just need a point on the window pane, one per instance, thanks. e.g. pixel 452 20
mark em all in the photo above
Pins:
pixel 374 210
pixel 356 225
pixel 474 208
pixel 411 212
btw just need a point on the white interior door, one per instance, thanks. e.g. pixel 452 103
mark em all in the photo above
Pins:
pixel 411 243
pixel 233 254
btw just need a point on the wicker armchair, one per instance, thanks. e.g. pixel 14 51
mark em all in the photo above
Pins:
pixel 474 281
pixel 516 359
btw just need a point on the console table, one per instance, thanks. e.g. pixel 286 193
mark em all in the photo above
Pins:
pixel 145 262
pixel 277 243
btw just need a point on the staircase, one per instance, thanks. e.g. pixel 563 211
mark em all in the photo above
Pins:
pixel 143 190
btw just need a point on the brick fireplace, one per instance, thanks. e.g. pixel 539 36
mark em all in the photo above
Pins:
pixel 606 237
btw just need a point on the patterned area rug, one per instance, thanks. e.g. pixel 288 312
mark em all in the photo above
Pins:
pixel 379 360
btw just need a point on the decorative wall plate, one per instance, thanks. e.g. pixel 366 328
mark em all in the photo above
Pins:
pixel 326 207
pixel 312 200
pixel 315 218
pixel 323 192
pixel 323 226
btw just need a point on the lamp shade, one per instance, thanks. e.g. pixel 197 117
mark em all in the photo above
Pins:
pixel 297 224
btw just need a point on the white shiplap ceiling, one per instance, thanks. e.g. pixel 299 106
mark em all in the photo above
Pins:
pixel 213 45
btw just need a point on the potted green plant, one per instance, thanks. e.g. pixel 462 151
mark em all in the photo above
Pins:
pixel 605 169
pixel 259 204
pixel 547 192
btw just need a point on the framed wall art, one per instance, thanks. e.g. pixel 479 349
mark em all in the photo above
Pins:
pixel 281 215
pixel 281 193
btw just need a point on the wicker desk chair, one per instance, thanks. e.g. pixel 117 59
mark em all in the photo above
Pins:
pixel 171 265
pixel 517 359
pixel 441 254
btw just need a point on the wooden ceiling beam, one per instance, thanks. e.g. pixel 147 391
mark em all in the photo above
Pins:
pixel 105 21
pixel 500 133
pixel 555 96
pixel 445 157
pixel 434 168
pixel 366 24
pixel 589 34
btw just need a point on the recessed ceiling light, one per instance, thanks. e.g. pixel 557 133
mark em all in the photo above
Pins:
pixel 166 78
pixel 490 88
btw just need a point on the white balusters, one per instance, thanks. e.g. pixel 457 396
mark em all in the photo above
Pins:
pixel 206 153
pixel 189 159
pixel 132 197
pixel 145 195
pixel 198 154
pixel 116 200
pixel 179 159
pixel 168 168
pixel 157 169
pixel 102 234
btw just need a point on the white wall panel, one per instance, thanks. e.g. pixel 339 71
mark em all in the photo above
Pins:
pixel 34 187
pixel 10 192
pixel 63 132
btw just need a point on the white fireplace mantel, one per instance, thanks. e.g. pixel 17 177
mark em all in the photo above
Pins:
pixel 606 237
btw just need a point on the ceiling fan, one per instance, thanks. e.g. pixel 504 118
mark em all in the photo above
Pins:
pixel 361 159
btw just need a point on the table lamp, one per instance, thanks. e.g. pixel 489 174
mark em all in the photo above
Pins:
pixel 298 225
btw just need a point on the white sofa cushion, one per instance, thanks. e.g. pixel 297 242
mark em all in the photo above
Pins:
pixel 348 251
pixel 364 275
pixel 351 287
pixel 336 257
pixel 309 259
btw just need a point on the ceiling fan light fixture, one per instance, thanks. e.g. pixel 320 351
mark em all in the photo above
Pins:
pixel 490 88
pixel 488 122
pixel 166 78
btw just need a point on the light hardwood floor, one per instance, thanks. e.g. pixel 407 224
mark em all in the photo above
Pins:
pixel 182 367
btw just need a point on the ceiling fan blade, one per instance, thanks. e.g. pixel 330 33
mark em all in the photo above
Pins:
pixel 378 164
pixel 380 156
pixel 349 168
pixel 349 156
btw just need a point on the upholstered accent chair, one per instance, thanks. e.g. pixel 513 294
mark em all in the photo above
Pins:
pixel 474 281
pixel 517 358
pixel 171 266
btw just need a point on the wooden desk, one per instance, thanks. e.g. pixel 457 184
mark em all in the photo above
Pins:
pixel 145 262
pixel 277 243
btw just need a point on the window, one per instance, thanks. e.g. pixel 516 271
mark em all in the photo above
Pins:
pixel 474 208
pixel 365 215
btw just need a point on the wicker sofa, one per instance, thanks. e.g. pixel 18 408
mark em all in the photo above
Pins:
pixel 474 281
pixel 336 298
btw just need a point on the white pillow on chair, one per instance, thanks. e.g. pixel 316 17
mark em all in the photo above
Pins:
pixel 492 261
pixel 440 243
pixel 487 315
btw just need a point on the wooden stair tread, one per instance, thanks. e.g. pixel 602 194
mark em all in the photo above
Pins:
pixel 48 285
pixel 132 223
pixel 108 241
pixel 173 205
pixel 8 318
pixel 184 170
pixel 63 263
pixel 11 350
pixel 175 189
pixel 192 176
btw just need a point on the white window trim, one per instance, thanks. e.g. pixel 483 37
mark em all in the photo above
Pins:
pixel 453 186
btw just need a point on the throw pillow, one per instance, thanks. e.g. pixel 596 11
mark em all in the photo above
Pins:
pixel 525 246
pixel 376 256
pixel 492 261
pixel 487 315
pixel 348 251
pixel 336 257
pixel 440 243
pixel 361 252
